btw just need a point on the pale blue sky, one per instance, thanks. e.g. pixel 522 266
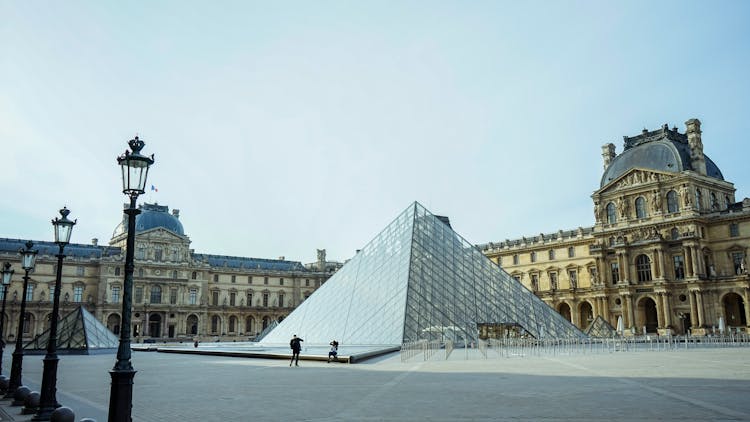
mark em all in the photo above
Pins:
pixel 282 127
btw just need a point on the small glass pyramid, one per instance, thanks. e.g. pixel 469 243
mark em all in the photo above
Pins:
pixel 417 279
pixel 78 332
pixel 600 328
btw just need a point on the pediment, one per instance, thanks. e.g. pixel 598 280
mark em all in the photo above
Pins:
pixel 634 178
pixel 161 235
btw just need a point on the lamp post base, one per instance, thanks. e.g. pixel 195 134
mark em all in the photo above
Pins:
pixel 48 402
pixel 121 395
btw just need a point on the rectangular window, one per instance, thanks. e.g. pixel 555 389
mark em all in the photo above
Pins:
pixel 573 276
pixel 265 300
pixel 534 282
pixel 234 279
pixel 138 294
pixel 571 252
pixel 499 260
pixel 551 254
pixel 249 279
pixel 615 271
pixel 734 230
pixel 515 259
pixel 140 253
pixel 29 293
pixel 281 300
pixel 51 293
pixel 215 298
pixel 281 282
pixel 265 280
pixel 679 267
pixel 307 283
pixel 738 259
pixel 216 278
pixel 232 298
pixel 553 281
pixel 115 295
pixel 249 299
pixel 532 256
pixel 155 294
pixel 80 271
pixel 193 298
pixel 157 254
pixel 173 296
pixel 77 294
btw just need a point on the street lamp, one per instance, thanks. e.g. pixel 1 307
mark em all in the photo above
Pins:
pixel 134 173
pixel 48 400
pixel 28 261
pixel 7 274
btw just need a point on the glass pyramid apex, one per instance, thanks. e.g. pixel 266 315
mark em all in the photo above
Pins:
pixel 417 279
pixel 78 332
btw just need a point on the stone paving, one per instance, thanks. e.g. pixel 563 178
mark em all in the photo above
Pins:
pixel 692 385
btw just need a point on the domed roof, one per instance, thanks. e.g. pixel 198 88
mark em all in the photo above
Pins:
pixel 153 216
pixel 662 150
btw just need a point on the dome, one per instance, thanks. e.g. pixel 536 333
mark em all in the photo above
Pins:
pixel 665 151
pixel 153 216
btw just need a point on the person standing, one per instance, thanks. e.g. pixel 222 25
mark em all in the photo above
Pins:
pixel 296 346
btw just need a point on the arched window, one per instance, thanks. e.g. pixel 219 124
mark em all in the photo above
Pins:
pixel 640 207
pixel 215 323
pixel 643 267
pixel 611 213
pixel 194 275
pixel 714 202
pixel 155 294
pixel 727 201
pixel 672 204
pixel 250 325
pixel 232 324
pixel 117 270
pixel 174 275
pixel 698 199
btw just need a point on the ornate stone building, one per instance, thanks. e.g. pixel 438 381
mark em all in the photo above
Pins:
pixel 668 250
pixel 177 293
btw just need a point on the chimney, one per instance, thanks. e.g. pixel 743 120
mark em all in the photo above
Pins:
pixel 697 159
pixel 321 259
pixel 176 213
pixel 608 154
pixel 95 241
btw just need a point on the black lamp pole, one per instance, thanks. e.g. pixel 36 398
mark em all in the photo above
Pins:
pixel 29 260
pixel 134 173
pixel 7 274
pixel 48 400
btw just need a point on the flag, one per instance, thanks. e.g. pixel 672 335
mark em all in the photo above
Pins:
pixel 154 188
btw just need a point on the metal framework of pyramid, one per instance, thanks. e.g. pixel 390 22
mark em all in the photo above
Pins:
pixel 417 279
pixel 78 332
pixel 600 328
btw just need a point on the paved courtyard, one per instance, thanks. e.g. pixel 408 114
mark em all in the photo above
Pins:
pixel 692 385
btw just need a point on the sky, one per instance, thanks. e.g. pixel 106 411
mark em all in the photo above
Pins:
pixel 279 128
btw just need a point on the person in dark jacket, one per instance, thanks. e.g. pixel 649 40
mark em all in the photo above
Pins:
pixel 296 346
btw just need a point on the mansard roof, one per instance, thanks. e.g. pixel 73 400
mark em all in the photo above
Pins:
pixel 236 262
pixel 51 248
pixel 664 150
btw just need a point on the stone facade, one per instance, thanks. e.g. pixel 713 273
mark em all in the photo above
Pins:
pixel 668 250
pixel 177 294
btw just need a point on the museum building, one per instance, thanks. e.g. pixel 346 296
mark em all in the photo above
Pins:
pixel 177 293
pixel 667 252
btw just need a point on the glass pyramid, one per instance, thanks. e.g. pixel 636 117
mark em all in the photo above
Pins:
pixel 417 279
pixel 78 332
pixel 600 328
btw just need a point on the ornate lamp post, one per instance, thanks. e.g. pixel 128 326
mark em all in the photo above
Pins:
pixel 28 261
pixel 134 173
pixel 48 400
pixel 7 274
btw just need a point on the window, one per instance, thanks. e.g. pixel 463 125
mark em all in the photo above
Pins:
pixel 80 271
pixel 140 272
pixel 281 300
pixel 515 259
pixel 281 282
pixel 249 279
pixel 140 253
pixel 727 201
pixel 117 270
pixel 215 298
pixel 734 230
pixel 215 322
pixel 232 323
pixel 499 260
pixel 532 256
pixel 265 300
pixel 573 276
pixel 615 271
pixel 553 281
pixel 193 297
pixel 216 278
pixel 77 294
pixel 672 204
pixel 640 207
pixel 674 233
pixel 29 293
pixel 738 259
pixel 249 324
pixel 551 254
pixel 139 294
pixel 679 267
pixel 232 298
pixel 155 294
pixel 611 213
pixel 265 280
pixel 234 279
pixel 173 296
pixel 52 293
pixel 571 252
pixel 2 291
pixel 714 202
pixel 116 294
pixel 534 282
pixel 27 323
pixel 643 268
pixel 157 254
pixel 194 275
pixel 307 283
pixel 249 299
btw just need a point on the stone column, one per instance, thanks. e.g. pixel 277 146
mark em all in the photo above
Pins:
pixel 667 310
pixel 693 310
pixel 688 262
pixel 625 266
pixel 745 297
pixel 699 303
pixel 662 266
pixel 605 309
pixel 574 316
pixel 660 310
pixel 694 257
